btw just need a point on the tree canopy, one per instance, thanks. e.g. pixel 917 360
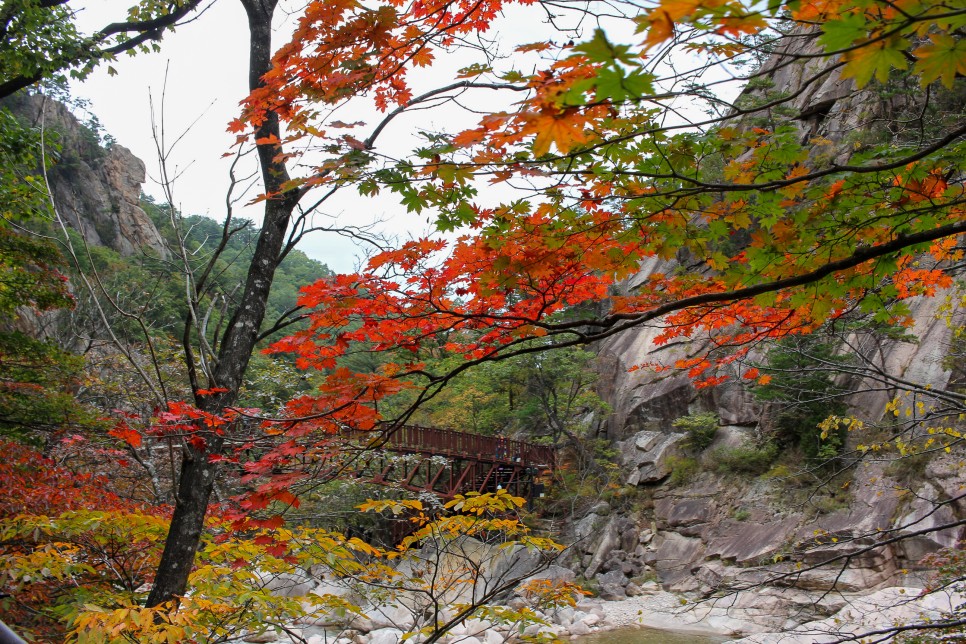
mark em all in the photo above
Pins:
pixel 765 229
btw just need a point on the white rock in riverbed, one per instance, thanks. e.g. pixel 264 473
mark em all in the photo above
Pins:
pixel 385 636
pixel 880 610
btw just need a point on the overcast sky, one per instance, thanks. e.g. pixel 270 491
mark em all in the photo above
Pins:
pixel 205 63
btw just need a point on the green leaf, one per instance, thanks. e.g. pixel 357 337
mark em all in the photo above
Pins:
pixel 843 33
pixel 600 50
pixel 878 59
pixel 943 59
pixel 414 201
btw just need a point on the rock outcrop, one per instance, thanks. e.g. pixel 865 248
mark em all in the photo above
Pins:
pixel 720 531
pixel 96 190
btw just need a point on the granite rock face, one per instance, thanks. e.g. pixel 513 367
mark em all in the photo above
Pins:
pixel 96 191
pixel 718 528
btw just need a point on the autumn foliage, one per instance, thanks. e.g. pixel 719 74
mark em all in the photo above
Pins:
pixel 752 227
pixel 760 233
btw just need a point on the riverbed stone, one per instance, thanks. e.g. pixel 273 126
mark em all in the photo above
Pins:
pixel 493 636
pixel 389 616
pixel 385 636
pixel 633 590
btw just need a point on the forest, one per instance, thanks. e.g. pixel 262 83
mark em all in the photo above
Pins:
pixel 687 324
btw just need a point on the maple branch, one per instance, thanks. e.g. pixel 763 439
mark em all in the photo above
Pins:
pixel 466 84
pixel 615 323
pixel 146 30
pixel 860 256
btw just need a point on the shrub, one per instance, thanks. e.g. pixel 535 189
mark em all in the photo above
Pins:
pixel 910 468
pixel 683 469
pixel 744 459
pixel 803 393
pixel 700 429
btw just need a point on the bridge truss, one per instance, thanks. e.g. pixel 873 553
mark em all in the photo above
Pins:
pixel 446 462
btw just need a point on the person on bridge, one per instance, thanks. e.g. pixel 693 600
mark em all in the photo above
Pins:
pixel 501 451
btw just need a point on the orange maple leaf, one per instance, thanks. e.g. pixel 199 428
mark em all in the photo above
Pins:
pixel 565 129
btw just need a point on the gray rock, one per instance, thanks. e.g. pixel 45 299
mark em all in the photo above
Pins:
pixel 614 563
pixel 493 636
pixel 677 512
pixel 628 533
pixel 612 592
pixel 609 541
pixel 748 543
pixel 579 628
pixel 517 603
pixel 653 465
pixel 946 472
pixel 389 616
pixel 601 507
pixel 585 530
pixel 924 513
pixel 675 556
pixel 385 636
pixel 288 585
pixel 97 191
pixel 615 577
pixel 554 573
pixel 361 623
pixel 646 441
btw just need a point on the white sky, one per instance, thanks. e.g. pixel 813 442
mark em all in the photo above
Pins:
pixel 206 67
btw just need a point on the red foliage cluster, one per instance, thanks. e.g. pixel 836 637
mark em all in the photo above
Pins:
pixel 31 483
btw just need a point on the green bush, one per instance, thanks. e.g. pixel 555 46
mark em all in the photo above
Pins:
pixel 683 469
pixel 910 468
pixel 700 429
pixel 744 459
pixel 803 393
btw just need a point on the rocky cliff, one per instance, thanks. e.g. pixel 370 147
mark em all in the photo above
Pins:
pixel 96 190
pixel 705 531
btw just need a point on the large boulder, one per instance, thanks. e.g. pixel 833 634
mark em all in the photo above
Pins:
pixel 674 556
pixel 645 456
pixel 610 540
pixel 751 543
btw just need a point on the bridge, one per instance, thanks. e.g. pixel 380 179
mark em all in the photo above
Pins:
pixel 446 462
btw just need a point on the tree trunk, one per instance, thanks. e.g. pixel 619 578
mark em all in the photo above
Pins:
pixel 198 473
pixel 184 535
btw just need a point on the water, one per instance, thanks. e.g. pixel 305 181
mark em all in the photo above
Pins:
pixel 648 636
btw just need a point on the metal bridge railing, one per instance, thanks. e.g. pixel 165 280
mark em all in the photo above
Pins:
pixel 450 443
